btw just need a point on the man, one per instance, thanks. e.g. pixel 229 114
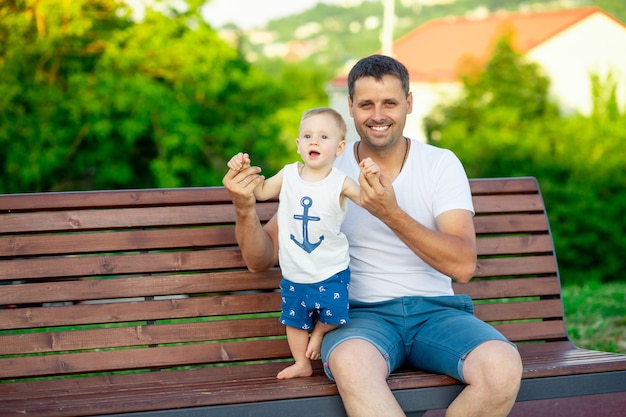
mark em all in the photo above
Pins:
pixel 412 235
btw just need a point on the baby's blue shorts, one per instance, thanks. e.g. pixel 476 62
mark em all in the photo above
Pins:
pixel 326 301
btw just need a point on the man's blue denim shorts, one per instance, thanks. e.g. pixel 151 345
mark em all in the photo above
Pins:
pixel 433 334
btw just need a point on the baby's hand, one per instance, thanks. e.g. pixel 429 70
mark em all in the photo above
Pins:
pixel 369 167
pixel 239 162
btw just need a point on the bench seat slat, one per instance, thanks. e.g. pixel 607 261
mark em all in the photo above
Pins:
pixel 157 390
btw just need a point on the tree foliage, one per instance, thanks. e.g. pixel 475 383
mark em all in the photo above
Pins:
pixel 91 99
pixel 504 125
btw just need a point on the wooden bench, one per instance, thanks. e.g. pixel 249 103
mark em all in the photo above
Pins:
pixel 139 302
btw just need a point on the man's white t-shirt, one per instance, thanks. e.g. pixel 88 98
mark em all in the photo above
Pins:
pixel 431 182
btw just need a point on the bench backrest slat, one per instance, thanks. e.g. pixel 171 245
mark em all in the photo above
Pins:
pixel 29 245
pixel 108 281
pixel 137 309
pixel 163 285
pixel 107 338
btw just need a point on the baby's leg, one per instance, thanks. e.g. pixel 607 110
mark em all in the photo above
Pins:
pixel 314 348
pixel 298 341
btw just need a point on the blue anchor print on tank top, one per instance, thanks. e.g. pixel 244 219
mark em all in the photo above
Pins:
pixel 306 245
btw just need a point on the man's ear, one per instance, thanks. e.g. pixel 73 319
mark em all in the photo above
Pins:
pixel 409 103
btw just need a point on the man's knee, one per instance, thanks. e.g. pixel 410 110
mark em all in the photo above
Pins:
pixel 357 359
pixel 496 365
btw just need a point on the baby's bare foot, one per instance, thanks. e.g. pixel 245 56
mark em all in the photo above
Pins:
pixel 297 370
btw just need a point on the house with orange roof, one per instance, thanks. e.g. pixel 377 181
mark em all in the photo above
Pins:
pixel 569 45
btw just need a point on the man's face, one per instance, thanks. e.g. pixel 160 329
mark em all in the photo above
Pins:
pixel 379 109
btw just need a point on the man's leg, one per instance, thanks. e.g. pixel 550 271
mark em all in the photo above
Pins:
pixel 360 372
pixel 453 341
pixel 493 373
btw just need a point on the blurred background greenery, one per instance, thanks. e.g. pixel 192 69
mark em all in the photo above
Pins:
pixel 92 99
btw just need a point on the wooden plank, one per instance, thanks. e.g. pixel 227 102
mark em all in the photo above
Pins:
pixel 480 186
pixel 112 198
pixel 510 288
pixel 116 218
pixel 515 223
pixel 112 360
pixel 78 243
pixel 533 331
pixel 200 387
pixel 514 245
pixel 86 266
pixel 85 314
pixel 526 310
pixel 523 203
pixel 180 389
pixel 151 334
pixel 545 360
pixel 164 380
pixel 525 265
pixel 162 285
pixel 77 392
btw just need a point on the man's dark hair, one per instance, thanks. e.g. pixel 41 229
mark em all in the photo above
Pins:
pixel 377 66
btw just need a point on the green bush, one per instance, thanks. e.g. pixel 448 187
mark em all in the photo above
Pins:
pixel 504 125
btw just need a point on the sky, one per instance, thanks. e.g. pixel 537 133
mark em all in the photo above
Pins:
pixel 255 13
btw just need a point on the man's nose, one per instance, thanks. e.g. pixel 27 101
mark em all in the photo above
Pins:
pixel 379 113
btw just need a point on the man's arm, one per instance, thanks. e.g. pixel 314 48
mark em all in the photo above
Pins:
pixel 450 250
pixel 258 244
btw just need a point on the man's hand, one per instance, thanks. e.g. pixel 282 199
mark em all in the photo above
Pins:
pixel 240 184
pixel 377 194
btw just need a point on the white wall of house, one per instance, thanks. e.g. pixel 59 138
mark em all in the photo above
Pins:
pixel 595 45
pixel 338 100
pixel 426 96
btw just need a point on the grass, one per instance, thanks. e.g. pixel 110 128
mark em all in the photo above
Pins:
pixel 595 315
